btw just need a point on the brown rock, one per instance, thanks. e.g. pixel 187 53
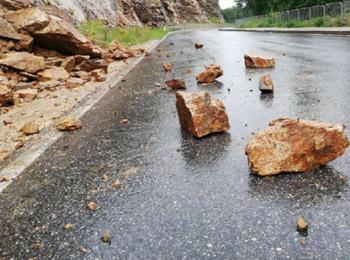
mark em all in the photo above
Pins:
pixel 81 74
pixel 69 124
pixel 19 145
pixel 26 94
pixel 266 84
pixel 68 226
pixel 98 75
pixel 37 245
pixel 92 206
pixel 15 4
pixel 4 154
pixel 4 179
pixel 6 96
pixel 117 184
pixel 8 31
pixel 258 61
pixel 61 36
pixel 124 121
pixel 93 64
pixel 23 61
pixel 68 64
pixel 167 67
pixel 198 45
pixel 106 238
pixel 302 226
pixel 176 84
pixel 291 145
pixel 48 85
pixel 201 114
pixel 28 20
pixel 74 83
pixel 56 73
pixel 30 128
pixel 211 73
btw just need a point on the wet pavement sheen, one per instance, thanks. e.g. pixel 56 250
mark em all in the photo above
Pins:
pixel 186 198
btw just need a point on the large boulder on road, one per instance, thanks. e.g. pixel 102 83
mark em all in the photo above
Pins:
pixel 259 61
pixel 293 145
pixel 201 114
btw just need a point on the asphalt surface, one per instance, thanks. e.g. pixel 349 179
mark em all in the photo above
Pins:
pixel 184 198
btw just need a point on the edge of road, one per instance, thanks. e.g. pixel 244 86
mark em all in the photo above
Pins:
pixel 19 161
pixel 342 31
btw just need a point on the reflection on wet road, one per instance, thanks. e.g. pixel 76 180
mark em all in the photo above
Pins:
pixel 191 198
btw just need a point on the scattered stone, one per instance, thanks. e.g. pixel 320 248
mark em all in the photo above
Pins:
pixel 201 114
pixel 56 73
pixel 93 64
pixel 92 206
pixel 258 61
pixel 4 179
pixel 26 94
pixel 98 75
pixel 106 238
pixel 176 84
pixel 117 184
pixel 74 83
pixel 68 64
pixel 23 61
pixel 124 121
pixel 198 45
pixel 6 96
pixel 48 85
pixel 68 226
pixel 211 73
pixel 167 67
pixel 69 124
pixel 30 128
pixel 4 154
pixel 37 245
pixel 19 145
pixel 293 145
pixel 302 226
pixel 266 84
pixel 84 250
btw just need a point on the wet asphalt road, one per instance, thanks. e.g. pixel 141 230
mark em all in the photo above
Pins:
pixel 182 197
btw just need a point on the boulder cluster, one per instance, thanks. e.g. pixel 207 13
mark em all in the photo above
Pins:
pixel 39 51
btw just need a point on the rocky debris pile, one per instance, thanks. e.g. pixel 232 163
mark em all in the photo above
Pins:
pixel 266 84
pixel 201 114
pixel 41 52
pixel 258 61
pixel 210 74
pixel 293 145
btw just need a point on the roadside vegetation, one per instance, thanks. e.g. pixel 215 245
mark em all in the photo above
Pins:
pixel 101 34
pixel 316 22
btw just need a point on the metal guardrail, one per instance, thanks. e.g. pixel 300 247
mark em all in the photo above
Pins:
pixel 337 9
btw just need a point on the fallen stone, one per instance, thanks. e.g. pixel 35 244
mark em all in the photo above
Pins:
pixel 30 128
pixel 198 45
pixel 6 96
pixel 124 121
pixel 69 124
pixel 211 73
pixel 93 64
pixel 48 85
pixel 8 31
pixel 19 145
pixel 81 58
pixel 302 226
pixel 81 74
pixel 92 206
pixel 266 84
pixel 28 20
pixel 74 83
pixel 68 226
pixel 4 179
pixel 4 154
pixel 61 36
pixel 98 75
pixel 15 4
pixel 176 84
pixel 117 184
pixel 258 61
pixel 293 145
pixel 23 61
pixel 26 94
pixel 56 73
pixel 68 64
pixel 106 238
pixel 167 67
pixel 201 114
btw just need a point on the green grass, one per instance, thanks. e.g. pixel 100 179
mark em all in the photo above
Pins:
pixel 100 34
pixel 316 22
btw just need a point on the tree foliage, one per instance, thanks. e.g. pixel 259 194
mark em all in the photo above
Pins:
pixel 246 8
